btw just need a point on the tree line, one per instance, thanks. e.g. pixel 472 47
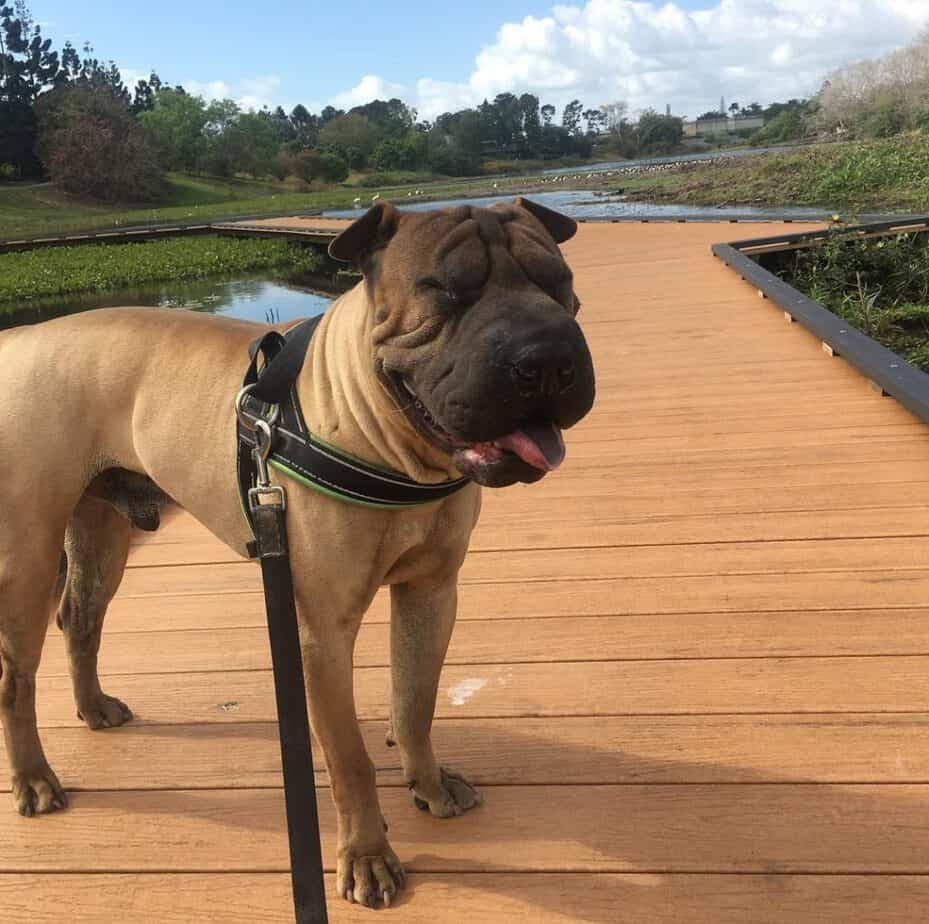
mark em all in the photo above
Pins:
pixel 69 116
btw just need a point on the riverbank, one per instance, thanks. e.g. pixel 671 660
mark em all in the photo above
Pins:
pixel 38 209
pixel 885 175
pixel 42 274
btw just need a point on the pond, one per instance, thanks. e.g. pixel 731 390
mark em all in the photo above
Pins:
pixel 254 298
pixel 591 205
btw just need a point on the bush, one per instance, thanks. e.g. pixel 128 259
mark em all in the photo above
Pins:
pixel 310 164
pixel 787 125
pixel 92 146
pixel 880 286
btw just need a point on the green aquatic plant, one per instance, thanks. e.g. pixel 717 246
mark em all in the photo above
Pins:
pixel 48 272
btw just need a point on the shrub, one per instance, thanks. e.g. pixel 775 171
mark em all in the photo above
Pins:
pixel 880 286
pixel 92 146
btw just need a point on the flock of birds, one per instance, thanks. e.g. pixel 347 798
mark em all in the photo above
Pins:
pixel 579 177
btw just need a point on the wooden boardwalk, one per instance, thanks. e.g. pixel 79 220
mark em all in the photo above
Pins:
pixel 691 670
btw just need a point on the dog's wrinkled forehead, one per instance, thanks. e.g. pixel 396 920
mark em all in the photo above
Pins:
pixel 470 243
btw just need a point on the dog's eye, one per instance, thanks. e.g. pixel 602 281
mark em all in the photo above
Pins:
pixel 430 282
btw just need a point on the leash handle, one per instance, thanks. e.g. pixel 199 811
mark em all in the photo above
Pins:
pixel 306 862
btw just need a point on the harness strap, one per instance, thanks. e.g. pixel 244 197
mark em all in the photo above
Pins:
pixel 295 452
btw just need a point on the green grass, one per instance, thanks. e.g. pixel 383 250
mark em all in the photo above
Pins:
pixel 49 272
pixel 882 175
pixel 879 285
pixel 45 210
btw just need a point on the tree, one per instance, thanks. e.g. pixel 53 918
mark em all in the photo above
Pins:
pixel 571 118
pixel 406 153
pixel 532 125
pixel 548 113
pixel 143 97
pixel 306 126
pixel 27 67
pixel 392 118
pixel 350 136
pixel 27 63
pixel 595 119
pixel 734 109
pixel 246 143
pixel 658 133
pixel 310 164
pixel 174 126
pixel 614 114
pixel 92 146
pixel 283 127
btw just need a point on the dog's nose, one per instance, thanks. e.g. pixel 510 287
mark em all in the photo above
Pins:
pixel 547 371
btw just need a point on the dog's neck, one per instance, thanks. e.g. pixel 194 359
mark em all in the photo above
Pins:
pixel 345 404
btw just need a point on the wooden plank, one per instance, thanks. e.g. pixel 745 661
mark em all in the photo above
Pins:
pixel 713 829
pixel 866 748
pixel 577 524
pixel 225 644
pixel 760 685
pixel 521 565
pixel 449 898
pixel 657 595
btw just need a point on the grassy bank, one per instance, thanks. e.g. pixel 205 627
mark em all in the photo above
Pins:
pixel 45 273
pixel 879 285
pixel 884 175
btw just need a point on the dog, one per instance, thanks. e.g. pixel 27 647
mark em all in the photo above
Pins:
pixel 458 353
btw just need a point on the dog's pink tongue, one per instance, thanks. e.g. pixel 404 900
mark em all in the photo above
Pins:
pixel 539 445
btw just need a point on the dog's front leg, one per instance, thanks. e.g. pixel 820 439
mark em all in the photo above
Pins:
pixel 368 871
pixel 421 623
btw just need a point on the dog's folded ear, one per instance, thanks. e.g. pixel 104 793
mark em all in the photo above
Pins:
pixel 560 227
pixel 363 237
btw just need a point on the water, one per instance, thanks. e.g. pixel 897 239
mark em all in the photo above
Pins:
pixel 249 298
pixel 587 204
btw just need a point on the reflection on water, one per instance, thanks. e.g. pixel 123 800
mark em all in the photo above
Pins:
pixel 587 204
pixel 251 298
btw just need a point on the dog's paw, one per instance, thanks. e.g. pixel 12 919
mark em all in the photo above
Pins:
pixel 104 712
pixel 454 795
pixel 38 793
pixel 369 879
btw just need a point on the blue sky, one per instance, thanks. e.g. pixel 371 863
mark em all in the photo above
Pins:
pixel 436 56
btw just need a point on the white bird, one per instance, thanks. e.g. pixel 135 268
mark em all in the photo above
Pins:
pixel 495 185
pixel 375 197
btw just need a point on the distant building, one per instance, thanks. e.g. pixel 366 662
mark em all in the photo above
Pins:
pixel 699 128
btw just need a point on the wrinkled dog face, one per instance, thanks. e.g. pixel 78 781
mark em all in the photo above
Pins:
pixel 475 335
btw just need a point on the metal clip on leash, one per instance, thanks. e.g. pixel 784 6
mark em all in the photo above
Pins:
pixel 264 436
pixel 267 504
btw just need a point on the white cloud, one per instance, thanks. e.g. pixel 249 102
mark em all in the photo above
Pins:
pixel 249 92
pixel 653 55
pixel 370 87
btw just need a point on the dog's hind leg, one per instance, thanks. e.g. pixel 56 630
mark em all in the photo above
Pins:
pixel 27 578
pixel 97 546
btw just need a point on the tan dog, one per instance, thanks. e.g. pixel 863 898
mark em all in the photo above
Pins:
pixel 108 414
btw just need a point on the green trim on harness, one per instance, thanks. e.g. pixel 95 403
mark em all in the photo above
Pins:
pixel 290 473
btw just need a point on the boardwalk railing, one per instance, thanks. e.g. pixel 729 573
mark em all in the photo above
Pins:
pixel 888 371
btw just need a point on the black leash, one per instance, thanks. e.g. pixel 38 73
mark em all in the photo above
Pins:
pixel 265 505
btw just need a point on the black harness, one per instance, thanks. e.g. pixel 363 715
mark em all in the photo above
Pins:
pixel 271 395
pixel 272 432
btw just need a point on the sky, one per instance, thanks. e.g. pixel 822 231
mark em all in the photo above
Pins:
pixel 445 56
